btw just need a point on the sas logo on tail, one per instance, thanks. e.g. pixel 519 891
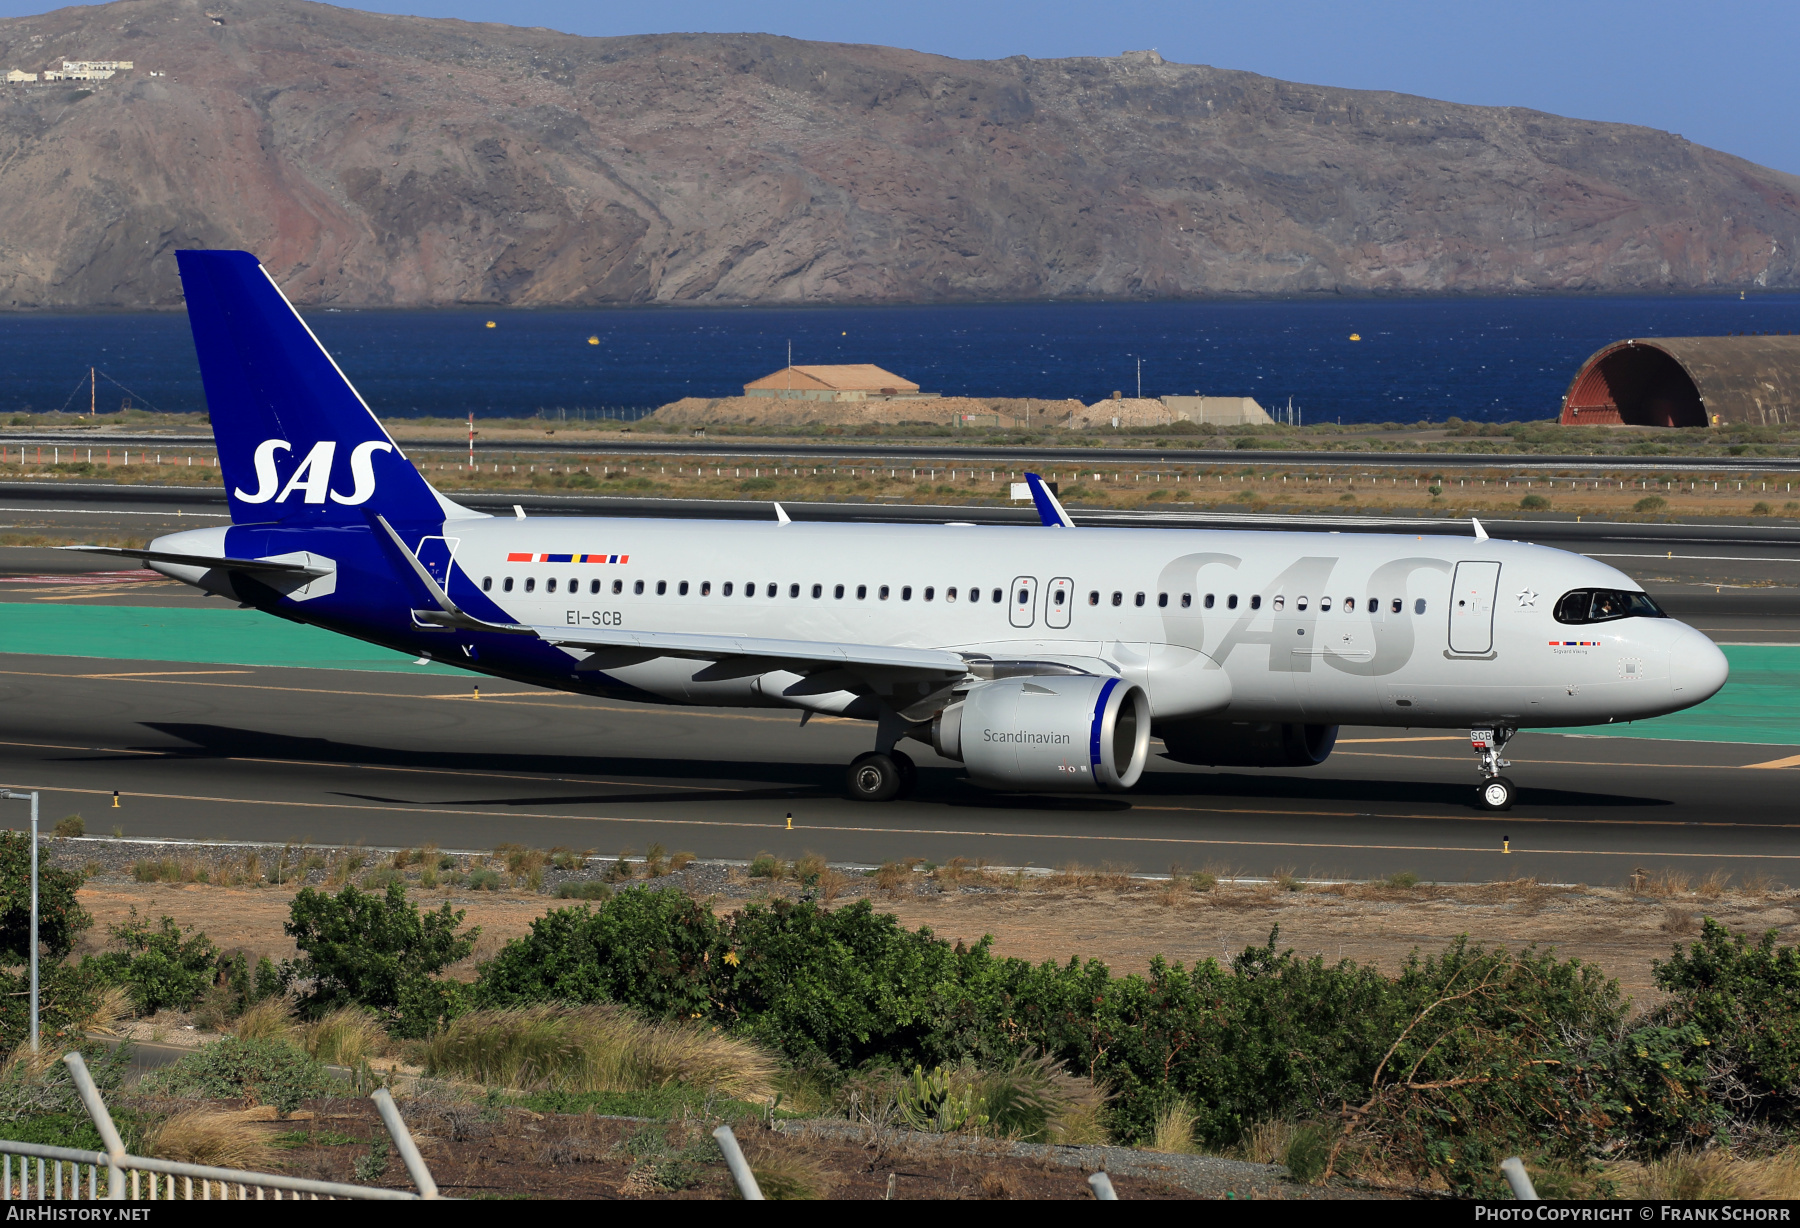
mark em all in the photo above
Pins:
pixel 313 477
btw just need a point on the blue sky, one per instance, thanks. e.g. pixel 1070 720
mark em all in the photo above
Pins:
pixel 1721 73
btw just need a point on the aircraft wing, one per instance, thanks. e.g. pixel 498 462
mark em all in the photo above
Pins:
pixel 202 560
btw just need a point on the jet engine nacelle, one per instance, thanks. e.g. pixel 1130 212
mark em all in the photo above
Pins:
pixel 1065 734
pixel 1247 743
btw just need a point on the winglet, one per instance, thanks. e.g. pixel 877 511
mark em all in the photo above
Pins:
pixel 1048 509
pixel 1480 533
pixel 782 516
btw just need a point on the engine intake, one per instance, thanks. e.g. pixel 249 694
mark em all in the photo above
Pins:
pixel 1247 743
pixel 1063 734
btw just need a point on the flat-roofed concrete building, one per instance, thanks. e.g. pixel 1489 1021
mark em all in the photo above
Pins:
pixel 848 382
pixel 1220 411
pixel 15 77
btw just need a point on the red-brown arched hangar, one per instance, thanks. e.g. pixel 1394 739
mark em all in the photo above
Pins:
pixel 1688 381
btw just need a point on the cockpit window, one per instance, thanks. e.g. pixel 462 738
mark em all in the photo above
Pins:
pixel 1602 605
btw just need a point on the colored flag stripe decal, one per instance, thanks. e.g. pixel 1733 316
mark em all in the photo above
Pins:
pixel 1576 644
pixel 568 558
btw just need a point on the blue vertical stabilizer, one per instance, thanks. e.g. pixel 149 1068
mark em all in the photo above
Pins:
pixel 297 445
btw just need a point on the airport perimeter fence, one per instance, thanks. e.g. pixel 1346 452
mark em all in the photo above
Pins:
pixel 38 1172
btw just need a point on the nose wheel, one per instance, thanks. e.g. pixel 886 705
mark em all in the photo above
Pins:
pixel 878 777
pixel 1496 792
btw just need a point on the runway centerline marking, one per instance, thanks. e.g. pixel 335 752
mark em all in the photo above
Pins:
pixel 930 831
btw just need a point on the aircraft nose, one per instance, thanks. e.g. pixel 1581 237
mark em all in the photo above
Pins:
pixel 1697 669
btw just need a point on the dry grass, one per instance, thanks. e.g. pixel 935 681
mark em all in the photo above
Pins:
pixel 831 885
pixel 894 874
pixel 209 1136
pixel 960 870
pixel 1678 920
pixel 348 1036
pixel 809 869
pixel 1713 885
pixel 1266 1142
pixel 787 1176
pixel 1174 1128
pixel 681 861
pixel 270 1019
pixel 594 1049
pixel 1710 1176
pixel 1073 876
pixel 214 871
pixel 1665 883
pixel 111 1008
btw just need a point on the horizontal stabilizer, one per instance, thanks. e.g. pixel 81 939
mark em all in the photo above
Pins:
pixel 202 560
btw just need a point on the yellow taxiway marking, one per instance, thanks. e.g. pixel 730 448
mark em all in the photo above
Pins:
pixel 165 673
pixel 1790 761
pixel 1070 837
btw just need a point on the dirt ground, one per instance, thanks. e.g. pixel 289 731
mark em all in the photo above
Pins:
pixel 1122 922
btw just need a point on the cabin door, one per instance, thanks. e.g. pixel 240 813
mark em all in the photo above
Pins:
pixel 1023 601
pixel 1472 607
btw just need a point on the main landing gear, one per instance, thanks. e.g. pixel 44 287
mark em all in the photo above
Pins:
pixel 878 777
pixel 1497 792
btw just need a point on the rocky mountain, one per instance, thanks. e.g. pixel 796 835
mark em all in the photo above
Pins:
pixel 382 160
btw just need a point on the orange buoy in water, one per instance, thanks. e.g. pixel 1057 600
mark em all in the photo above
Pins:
pixel 1353 336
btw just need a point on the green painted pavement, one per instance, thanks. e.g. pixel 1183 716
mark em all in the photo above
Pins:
pixel 205 637
pixel 1760 704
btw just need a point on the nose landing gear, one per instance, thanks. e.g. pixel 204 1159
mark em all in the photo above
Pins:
pixel 1496 792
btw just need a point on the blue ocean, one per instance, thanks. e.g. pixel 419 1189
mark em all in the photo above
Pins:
pixel 1484 359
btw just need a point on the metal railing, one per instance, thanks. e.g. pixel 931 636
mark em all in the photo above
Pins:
pixel 59 1173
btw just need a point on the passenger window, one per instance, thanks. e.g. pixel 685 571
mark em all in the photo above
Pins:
pixel 1162 599
pixel 818 591
pixel 1324 605
pixel 1256 601
pixel 793 591
pixel 706 588
pixel 1419 606
pixel 638 588
pixel 1187 599
pixel 1231 602
pixel 681 589
pixel 1094 597
pixel 1398 605
pixel 750 589
pixel 1056 597
pixel 775 588
pixel 574 584
pixel 906 593
pixel 930 592
pixel 594 586
pixel 662 588
pixel 997 596
pixel 1280 602
pixel 1118 597
pixel 950 593
pixel 487 584
pixel 530 583
pixel 838 592
pixel 1208 603
pixel 618 587
pixel 862 592
pixel 506 585
pixel 882 592
pixel 1024 596
pixel 1299 603
pixel 550 585
pixel 726 590
pixel 1139 602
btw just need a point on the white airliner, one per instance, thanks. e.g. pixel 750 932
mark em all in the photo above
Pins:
pixel 1042 659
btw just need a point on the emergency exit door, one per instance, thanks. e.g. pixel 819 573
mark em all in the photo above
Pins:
pixel 1058 598
pixel 1472 607
pixel 1023 601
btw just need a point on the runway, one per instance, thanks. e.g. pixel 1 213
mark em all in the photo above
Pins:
pixel 951 452
pixel 286 754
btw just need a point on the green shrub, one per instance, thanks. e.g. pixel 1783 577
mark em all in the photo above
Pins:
pixel 377 951
pixel 765 865
pixel 482 879
pixel 1650 503
pixel 262 1071
pixel 61 921
pixel 71 825
pixel 1534 503
pixel 584 891
pixel 163 967
pixel 1308 1153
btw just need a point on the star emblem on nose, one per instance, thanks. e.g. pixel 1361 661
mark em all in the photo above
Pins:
pixel 1527 599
